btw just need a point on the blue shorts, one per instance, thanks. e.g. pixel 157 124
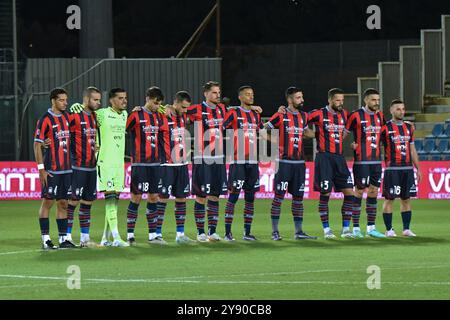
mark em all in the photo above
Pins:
pixel 243 177
pixel 145 179
pixel 57 187
pixel 84 185
pixel 209 179
pixel 366 175
pixel 290 177
pixel 174 181
pixel 399 183
pixel 330 170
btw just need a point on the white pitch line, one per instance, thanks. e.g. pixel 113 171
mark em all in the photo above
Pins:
pixel 95 280
pixel 18 252
pixel 307 272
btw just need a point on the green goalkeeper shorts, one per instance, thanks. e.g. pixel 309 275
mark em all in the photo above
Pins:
pixel 111 178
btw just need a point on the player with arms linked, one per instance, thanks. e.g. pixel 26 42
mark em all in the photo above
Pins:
pixel 400 158
pixel 365 123
pixel 292 125
pixel 83 147
pixel 54 166
pixel 330 168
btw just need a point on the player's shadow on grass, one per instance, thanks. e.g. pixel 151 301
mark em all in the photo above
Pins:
pixel 367 242
pixel 203 249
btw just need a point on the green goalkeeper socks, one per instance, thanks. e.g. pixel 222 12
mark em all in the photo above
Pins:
pixel 111 214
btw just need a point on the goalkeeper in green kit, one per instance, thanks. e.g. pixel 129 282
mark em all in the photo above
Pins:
pixel 111 123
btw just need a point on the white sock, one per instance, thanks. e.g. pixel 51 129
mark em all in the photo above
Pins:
pixel 84 237
pixel 345 229
pixel 130 235
pixel 326 230
pixel 69 236
pixel 370 228
pixel 356 229
pixel 159 235
pixel 180 234
pixel 152 236
pixel 45 237
pixel 62 239
pixel 115 234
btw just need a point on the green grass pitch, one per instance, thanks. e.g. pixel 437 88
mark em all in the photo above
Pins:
pixel 314 269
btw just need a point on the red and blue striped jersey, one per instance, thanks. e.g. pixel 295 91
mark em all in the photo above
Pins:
pixel 83 132
pixel 56 128
pixel 208 129
pixel 143 127
pixel 366 129
pixel 291 126
pixel 245 124
pixel 397 139
pixel 173 141
pixel 329 126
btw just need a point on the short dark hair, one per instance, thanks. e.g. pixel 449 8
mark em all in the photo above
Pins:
pixel 370 91
pixel 396 101
pixel 292 90
pixel 182 96
pixel 209 85
pixel 242 88
pixel 57 91
pixel 334 91
pixel 89 90
pixel 114 91
pixel 155 92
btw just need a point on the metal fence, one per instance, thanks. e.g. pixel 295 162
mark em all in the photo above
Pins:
pixel 134 75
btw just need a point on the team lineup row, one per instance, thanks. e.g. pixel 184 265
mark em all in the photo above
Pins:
pixel 73 148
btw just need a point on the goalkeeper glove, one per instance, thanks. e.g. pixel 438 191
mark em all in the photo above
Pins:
pixel 76 108
pixel 162 109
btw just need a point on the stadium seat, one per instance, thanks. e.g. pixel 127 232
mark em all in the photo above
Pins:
pixel 447 121
pixel 424 157
pixel 446 157
pixel 436 157
pixel 447 131
pixel 429 145
pixel 437 131
pixel 442 146
pixel 419 146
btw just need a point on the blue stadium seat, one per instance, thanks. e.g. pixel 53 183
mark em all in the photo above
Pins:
pixel 419 146
pixel 436 157
pixel 446 157
pixel 437 131
pixel 447 131
pixel 424 157
pixel 442 146
pixel 429 145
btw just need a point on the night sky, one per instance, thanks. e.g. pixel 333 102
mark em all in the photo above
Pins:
pixel 159 28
